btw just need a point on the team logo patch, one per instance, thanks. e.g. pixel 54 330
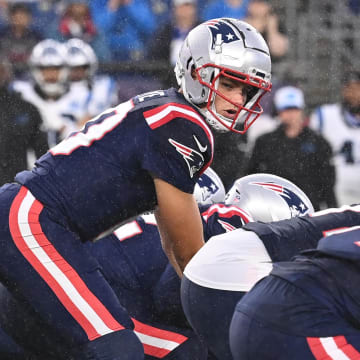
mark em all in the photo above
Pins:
pixel 220 27
pixel 194 159
pixel 207 186
pixel 296 205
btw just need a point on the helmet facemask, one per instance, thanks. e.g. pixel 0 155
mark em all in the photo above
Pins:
pixel 82 61
pixel 244 115
pixel 48 67
pixel 224 48
pixel 52 87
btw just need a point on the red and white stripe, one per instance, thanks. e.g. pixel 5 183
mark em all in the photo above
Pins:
pixel 167 112
pixel 270 186
pixel 226 212
pixel 149 219
pixel 128 230
pixel 226 226
pixel 59 275
pixel 185 151
pixel 332 348
pixel 339 230
pixel 157 342
pixel 336 210
pixel 133 228
pixel 212 22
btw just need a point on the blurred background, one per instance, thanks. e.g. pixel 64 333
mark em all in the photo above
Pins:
pixel 135 37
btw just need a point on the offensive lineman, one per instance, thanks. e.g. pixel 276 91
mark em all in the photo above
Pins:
pixel 228 265
pixel 307 308
pixel 143 154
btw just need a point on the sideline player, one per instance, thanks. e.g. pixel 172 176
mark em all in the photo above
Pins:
pixel 49 90
pixel 100 90
pixel 229 265
pixel 309 308
pixel 143 154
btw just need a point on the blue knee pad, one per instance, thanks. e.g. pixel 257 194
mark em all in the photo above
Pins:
pixel 119 345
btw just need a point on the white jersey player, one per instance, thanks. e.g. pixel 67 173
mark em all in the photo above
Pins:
pixel 100 90
pixel 59 105
pixel 340 124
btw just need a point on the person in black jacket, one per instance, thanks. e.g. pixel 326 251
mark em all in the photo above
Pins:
pixel 296 152
pixel 20 128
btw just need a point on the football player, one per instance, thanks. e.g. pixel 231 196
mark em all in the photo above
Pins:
pixel 230 264
pixel 338 123
pixel 144 154
pixel 100 90
pixel 133 262
pixel 137 269
pixel 307 308
pixel 49 90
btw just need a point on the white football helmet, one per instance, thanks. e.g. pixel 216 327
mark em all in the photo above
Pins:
pixel 209 189
pixel 268 198
pixel 81 55
pixel 230 48
pixel 49 54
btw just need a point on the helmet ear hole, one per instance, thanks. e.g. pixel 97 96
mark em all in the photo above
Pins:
pixel 193 72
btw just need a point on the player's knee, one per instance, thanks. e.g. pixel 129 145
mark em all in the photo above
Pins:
pixel 119 345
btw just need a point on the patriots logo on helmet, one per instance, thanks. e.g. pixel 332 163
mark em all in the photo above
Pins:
pixel 207 186
pixel 193 158
pixel 296 205
pixel 220 27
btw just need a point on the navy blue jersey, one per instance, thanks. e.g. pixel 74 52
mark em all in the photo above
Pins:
pixel 132 256
pixel 287 238
pixel 103 174
pixel 220 218
pixel 132 261
pixel 333 268
pixel 330 270
pixel 135 265
pixel 343 244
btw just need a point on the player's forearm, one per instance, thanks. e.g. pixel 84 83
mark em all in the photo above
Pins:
pixel 179 223
pixel 179 243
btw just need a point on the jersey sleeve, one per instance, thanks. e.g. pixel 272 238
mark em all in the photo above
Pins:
pixel 177 150
pixel 286 238
pixel 220 218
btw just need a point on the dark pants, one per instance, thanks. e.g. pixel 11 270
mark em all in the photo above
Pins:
pixel 278 320
pixel 45 266
pixel 209 311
